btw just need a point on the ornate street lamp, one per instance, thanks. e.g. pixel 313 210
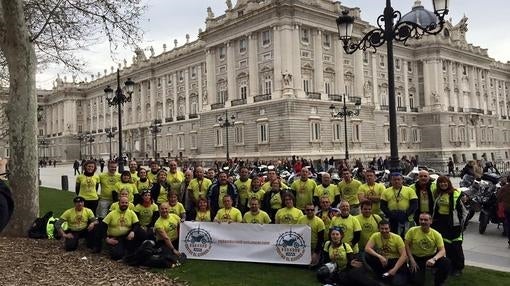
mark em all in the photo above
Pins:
pixel 344 113
pixel 80 137
pixel 155 128
pixel 90 139
pixel 118 99
pixel 392 26
pixel 110 134
pixel 226 123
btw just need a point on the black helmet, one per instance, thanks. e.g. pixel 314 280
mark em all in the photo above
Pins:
pixel 324 272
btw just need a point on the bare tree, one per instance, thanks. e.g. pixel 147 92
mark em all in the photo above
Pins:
pixel 38 32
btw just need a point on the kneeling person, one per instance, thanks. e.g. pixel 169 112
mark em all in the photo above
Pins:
pixel 80 222
pixel 167 231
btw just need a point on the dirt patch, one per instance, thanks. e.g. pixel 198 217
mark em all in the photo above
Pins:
pixel 26 261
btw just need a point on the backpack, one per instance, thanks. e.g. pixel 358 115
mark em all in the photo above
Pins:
pixel 149 255
pixel 44 227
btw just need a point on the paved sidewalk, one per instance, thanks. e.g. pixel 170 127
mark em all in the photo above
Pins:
pixel 487 251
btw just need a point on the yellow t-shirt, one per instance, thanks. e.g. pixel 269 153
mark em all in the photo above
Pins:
pixel 349 192
pixel 388 248
pixel 203 216
pixel 120 223
pixel 369 226
pixel 324 215
pixel 376 190
pixel 199 188
pixel 115 206
pixel 261 217
pixel 350 225
pixel 398 200
pixel 259 195
pixel 152 177
pixel 288 215
pixel 131 188
pixel 331 191
pixel 134 177
pixel 275 200
pixel 174 181
pixel 316 224
pixel 178 209
pixel 443 202
pixel 267 186
pixel 88 187
pixel 163 195
pixel 143 185
pixel 232 214
pixel 338 254
pixel 77 220
pixel 304 192
pixel 424 244
pixel 145 213
pixel 243 189
pixel 169 225
pixel 223 191
pixel 107 183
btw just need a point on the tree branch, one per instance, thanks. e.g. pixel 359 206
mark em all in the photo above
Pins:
pixel 50 15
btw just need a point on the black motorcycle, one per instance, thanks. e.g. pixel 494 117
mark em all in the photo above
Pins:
pixel 486 198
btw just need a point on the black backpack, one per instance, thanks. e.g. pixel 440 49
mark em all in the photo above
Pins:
pixel 39 229
pixel 147 254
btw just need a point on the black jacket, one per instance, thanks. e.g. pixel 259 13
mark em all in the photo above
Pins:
pixel 6 205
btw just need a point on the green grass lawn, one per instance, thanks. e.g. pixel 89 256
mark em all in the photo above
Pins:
pixel 212 273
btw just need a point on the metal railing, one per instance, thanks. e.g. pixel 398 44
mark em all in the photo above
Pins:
pixel 261 97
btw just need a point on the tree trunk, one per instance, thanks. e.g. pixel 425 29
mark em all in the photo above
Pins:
pixel 22 115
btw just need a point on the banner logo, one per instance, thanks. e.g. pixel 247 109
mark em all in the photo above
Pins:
pixel 290 246
pixel 198 242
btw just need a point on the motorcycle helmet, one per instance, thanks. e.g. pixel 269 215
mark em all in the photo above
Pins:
pixel 325 271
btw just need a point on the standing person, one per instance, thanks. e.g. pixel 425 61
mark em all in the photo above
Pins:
pixel 425 249
pixel 317 235
pixel 175 207
pixel 372 191
pixel 198 186
pixel 87 185
pixel 255 214
pixel 385 253
pixel 101 165
pixel 154 171
pixel 399 203
pixel 133 168
pixel 325 214
pixel 147 212
pixel 368 222
pixel 350 225
pixel 76 167
pixel 185 196
pixel 451 168
pixel 255 190
pixel 303 188
pixel 447 219
pixel 107 180
pixel 228 213
pixel 273 200
pixel 504 198
pixel 81 223
pixel 202 212
pixel 243 186
pixel 218 190
pixel 349 191
pixel 288 214
pixel 425 190
pixel 326 188
pixel 141 180
pixel 174 178
pixel 167 231
pixel 271 176
pixel 125 184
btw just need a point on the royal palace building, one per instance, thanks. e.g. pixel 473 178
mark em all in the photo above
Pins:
pixel 278 66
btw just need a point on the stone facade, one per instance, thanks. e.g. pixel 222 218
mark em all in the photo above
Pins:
pixel 278 66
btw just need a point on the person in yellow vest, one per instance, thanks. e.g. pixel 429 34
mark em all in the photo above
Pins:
pixel 385 253
pixel 167 231
pixel 372 191
pixel 125 184
pixel 271 176
pixel 87 185
pixel 154 170
pixel 288 214
pixel 175 207
pixel 425 189
pixel 425 249
pixel 81 223
pixel 350 225
pixel 199 186
pixel 304 188
pixel 228 213
pixel 255 214
pixel 325 214
pixel 143 183
pixel 243 186
pixel 115 205
pixel 203 213
pixel 399 204
pixel 255 190
pixel 107 180
pixel 349 191
pixel 218 190
pixel 147 212
pixel 317 232
pixel 174 178
pixel 447 219
pixel 122 225
pixel 368 221
pixel 326 188
pixel 133 169
pixel 159 189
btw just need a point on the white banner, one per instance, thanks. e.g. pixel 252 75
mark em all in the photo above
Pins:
pixel 269 243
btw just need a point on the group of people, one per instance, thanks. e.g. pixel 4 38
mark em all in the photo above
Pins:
pixel 360 227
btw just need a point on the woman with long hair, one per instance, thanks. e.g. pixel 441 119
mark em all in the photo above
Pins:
pixel 447 219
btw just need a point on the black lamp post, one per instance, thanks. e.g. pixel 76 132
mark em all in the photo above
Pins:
pixel 91 140
pixel 226 123
pixel 155 128
pixel 44 144
pixel 80 137
pixel 390 28
pixel 110 135
pixel 344 113
pixel 119 99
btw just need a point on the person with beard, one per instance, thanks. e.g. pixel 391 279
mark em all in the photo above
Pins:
pixel 368 221
pixel 255 214
pixel 147 213
pixel 87 185
pixel 142 182
pixel 288 214
pixel 272 176
pixel 326 189
pixel 218 190
pixel 185 197
pixel 159 189
pixel 303 188
pixel 107 180
pixel 174 178
pixel 199 186
pixel 81 223
pixel 133 169
pixel 167 231
pixel 317 231
pixel 125 184
pixel 425 190
pixel 349 191
pixel 425 249
pixel 122 225
pixel 350 225
pixel 371 190
pixel 243 185
pixel 255 190
pixel 228 213
pixel 154 171
pixel 326 214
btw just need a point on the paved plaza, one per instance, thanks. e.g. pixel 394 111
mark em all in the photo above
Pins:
pixel 487 251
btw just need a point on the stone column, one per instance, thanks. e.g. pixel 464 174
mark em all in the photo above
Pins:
pixel 453 100
pixel 318 75
pixel 186 92
pixel 427 84
pixel 462 101
pixel 253 69
pixel 153 85
pixel 375 83
pixel 199 84
pixel 406 85
pixel 359 76
pixel 231 78
pixel 176 98
pixel 164 80
pixel 142 101
pixel 443 97
pixel 211 77
pixel 472 89
pixel 297 79
pixel 277 63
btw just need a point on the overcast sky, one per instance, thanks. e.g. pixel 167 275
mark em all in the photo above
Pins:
pixel 166 20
